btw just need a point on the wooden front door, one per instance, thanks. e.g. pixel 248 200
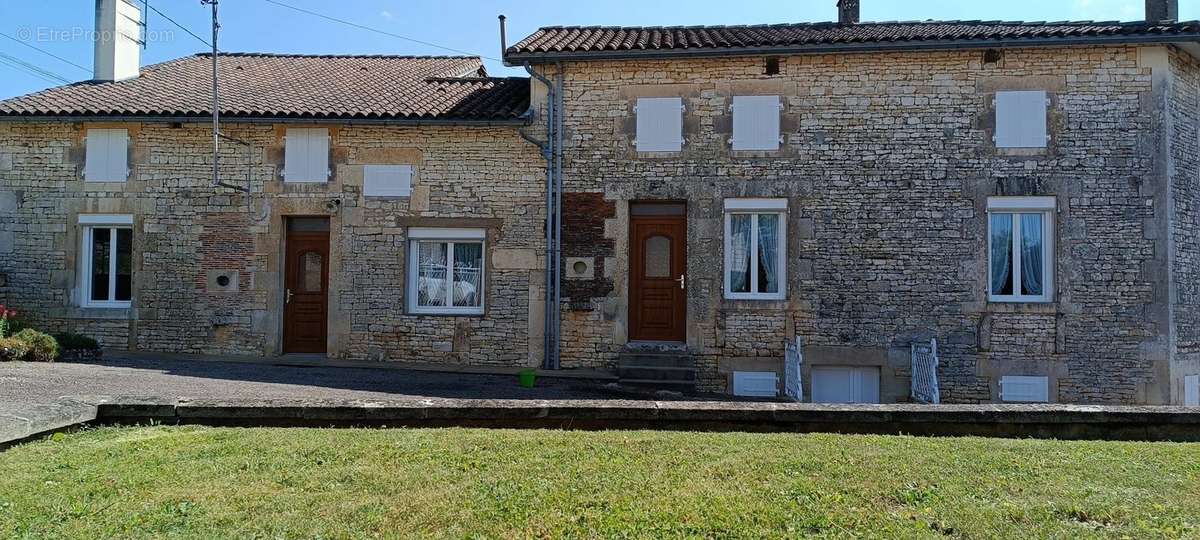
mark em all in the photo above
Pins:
pixel 306 283
pixel 658 275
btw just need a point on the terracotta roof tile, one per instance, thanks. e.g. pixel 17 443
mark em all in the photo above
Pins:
pixel 294 86
pixel 614 41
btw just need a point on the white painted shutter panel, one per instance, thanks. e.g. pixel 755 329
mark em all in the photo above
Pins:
pixel 845 384
pixel 755 384
pixel 387 180
pixel 1024 389
pixel 118 155
pixel 318 155
pixel 756 122
pixel 295 164
pixel 659 124
pixel 1021 119
pixel 1191 390
pixel 95 157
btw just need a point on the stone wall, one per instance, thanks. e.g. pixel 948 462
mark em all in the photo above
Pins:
pixel 1183 154
pixel 187 233
pixel 887 167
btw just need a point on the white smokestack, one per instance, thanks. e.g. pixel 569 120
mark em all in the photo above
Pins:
pixel 118 43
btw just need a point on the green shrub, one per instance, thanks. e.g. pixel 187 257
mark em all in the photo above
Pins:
pixel 70 341
pixel 13 349
pixel 42 346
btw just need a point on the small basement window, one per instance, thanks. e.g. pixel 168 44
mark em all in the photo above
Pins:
pixel 106 156
pixel 446 271
pixel 659 124
pixel 1020 249
pixel 1021 119
pixel 306 155
pixel 1023 389
pixel 106 261
pixel 387 180
pixel 845 384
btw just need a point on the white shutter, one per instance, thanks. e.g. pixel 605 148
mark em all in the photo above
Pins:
pixel 318 155
pixel 845 384
pixel 1021 119
pixel 387 180
pixel 1191 390
pixel 659 124
pixel 295 165
pixel 106 157
pixel 756 122
pixel 1024 389
pixel 755 384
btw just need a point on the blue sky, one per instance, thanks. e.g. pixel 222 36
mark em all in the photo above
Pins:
pixel 260 26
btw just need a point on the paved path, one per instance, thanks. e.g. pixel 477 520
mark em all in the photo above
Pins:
pixel 23 382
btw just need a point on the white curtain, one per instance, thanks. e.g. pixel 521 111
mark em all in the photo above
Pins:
pixel 468 267
pixel 739 253
pixel 1001 253
pixel 768 253
pixel 1031 254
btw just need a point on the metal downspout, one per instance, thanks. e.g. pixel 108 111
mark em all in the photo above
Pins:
pixel 558 196
pixel 549 342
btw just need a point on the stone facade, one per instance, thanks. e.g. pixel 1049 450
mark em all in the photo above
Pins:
pixel 887 167
pixel 188 233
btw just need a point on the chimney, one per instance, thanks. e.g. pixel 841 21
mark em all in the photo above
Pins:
pixel 848 11
pixel 118 46
pixel 1162 10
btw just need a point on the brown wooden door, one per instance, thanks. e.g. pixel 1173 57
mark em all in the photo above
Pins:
pixel 657 278
pixel 306 282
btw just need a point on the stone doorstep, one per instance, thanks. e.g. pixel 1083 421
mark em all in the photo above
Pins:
pixel 307 360
pixel 20 422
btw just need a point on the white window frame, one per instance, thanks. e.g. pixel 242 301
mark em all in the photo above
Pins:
pixel 416 235
pixel 306 155
pixel 746 117
pixel 755 207
pixel 89 223
pixel 106 155
pixel 1022 119
pixel 1046 207
pixel 659 114
pixel 387 180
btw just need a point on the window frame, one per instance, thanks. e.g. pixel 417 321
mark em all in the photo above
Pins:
pixel 416 236
pixel 1015 206
pixel 755 208
pixel 89 223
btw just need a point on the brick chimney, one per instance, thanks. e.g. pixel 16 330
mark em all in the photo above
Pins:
pixel 1162 10
pixel 848 11
pixel 117 41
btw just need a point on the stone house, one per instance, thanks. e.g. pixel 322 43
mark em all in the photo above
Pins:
pixel 695 198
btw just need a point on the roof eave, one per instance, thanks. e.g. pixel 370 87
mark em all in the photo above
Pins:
pixel 421 121
pixel 873 46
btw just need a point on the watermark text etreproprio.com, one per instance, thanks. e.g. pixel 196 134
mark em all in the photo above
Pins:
pixel 77 33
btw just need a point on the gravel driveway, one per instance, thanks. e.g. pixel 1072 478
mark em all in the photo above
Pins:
pixel 140 375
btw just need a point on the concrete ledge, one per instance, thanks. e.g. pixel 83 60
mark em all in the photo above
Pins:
pixel 1040 421
pixel 21 421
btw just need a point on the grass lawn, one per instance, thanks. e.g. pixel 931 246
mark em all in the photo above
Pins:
pixel 195 482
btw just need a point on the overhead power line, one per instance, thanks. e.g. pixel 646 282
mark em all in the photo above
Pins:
pixel 33 69
pixel 376 30
pixel 27 71
pixel 181 27
pixel 45 52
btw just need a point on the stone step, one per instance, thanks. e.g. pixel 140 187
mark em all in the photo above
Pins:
pixel 654 360
pixel 657 373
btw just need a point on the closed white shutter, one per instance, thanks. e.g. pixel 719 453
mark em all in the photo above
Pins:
pixel 306 155
pixel 1191 390
pixel 755 384
pixel 756 122
pixel 387 180
pixel 1021 119
pixel 1024 389
pixel 106 155
pixel 845 384
pixel 659 124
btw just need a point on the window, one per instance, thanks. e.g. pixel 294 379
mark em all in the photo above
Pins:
pixel 845 384
pixel 107 261
pixel 1021 119
pixel 446 271
pixel 659 124
pixel 755 248
pixel 106 157
pixel 306 155
pixel 1020 249
pixel 756 122
pixel 387 180
pixel 1024 389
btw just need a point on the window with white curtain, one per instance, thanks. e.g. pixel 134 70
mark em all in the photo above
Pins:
pixel 1020 249
pixel 446 271
pixel 106 261
pixel 755 249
